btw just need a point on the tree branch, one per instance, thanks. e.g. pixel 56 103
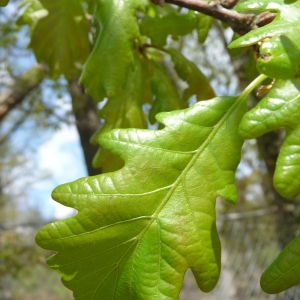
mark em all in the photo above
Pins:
pixel 240 23
pixel 22 87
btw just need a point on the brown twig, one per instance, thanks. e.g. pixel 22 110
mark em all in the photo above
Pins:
pixel 239 22
pixel 228 3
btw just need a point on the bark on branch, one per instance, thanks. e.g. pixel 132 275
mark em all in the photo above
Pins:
pixel 20 89
pixel 240 23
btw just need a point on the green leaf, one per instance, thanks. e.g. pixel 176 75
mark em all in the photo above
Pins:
pixel 198 85
pixel 165 93
pixel 280 108
pixel 279 42
pixel 33 11
pixel 53 39
pixel 138 229
pixel 204 25
pixel 284 272
pixel 113 54
pixel 124 110
pixel 3 2
pixel 169 21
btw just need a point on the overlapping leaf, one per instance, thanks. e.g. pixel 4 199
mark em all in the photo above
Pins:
pixel 198 84
pixel 284 272
pixel 280 108
pixel 112 57
pixel 149 82
pixel 164 92
pixel 138 229
pixel 118 53
pixel 169 21
pixel 279 41
pixel 119 40
pixel 53 39
pixel 124 110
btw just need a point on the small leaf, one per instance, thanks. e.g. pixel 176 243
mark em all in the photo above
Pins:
pixel 168 21
pixel 138 229
pixel 198 85
pixel 279 41
pixel 284 272
pixel 204 24
pixel 61 49
pixel 280 108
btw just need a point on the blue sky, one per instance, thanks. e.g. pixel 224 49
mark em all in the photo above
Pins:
pixel 60 157
pixel 54 156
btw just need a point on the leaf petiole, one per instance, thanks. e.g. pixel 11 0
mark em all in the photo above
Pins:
pixel 256 82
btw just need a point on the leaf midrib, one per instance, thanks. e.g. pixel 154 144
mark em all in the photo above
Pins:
pixel 190 164
pixel 195 157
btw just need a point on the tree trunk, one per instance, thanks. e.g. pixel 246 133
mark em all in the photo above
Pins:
pixel 87 122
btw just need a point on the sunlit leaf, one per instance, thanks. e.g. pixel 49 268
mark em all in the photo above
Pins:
pixel 53 39
pixel 113 54
pixel 284 272
pixel 124 110
pixel 278 42
pixel 280 108
pixel 138 229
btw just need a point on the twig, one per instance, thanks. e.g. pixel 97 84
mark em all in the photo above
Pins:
pixel 240 23
pixel 249 214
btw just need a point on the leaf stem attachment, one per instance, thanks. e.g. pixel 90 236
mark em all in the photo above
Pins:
pixel 252 85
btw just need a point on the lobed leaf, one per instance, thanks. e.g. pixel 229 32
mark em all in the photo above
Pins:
pixel 124 110
pixel 147 83
pixel 62 50
pixel 112 57
pixel 133 73
pixel 284 272
pixel 280 108
pixel 278 42
pixel 139 228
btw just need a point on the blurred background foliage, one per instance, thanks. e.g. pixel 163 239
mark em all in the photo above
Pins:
pixel 252 232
